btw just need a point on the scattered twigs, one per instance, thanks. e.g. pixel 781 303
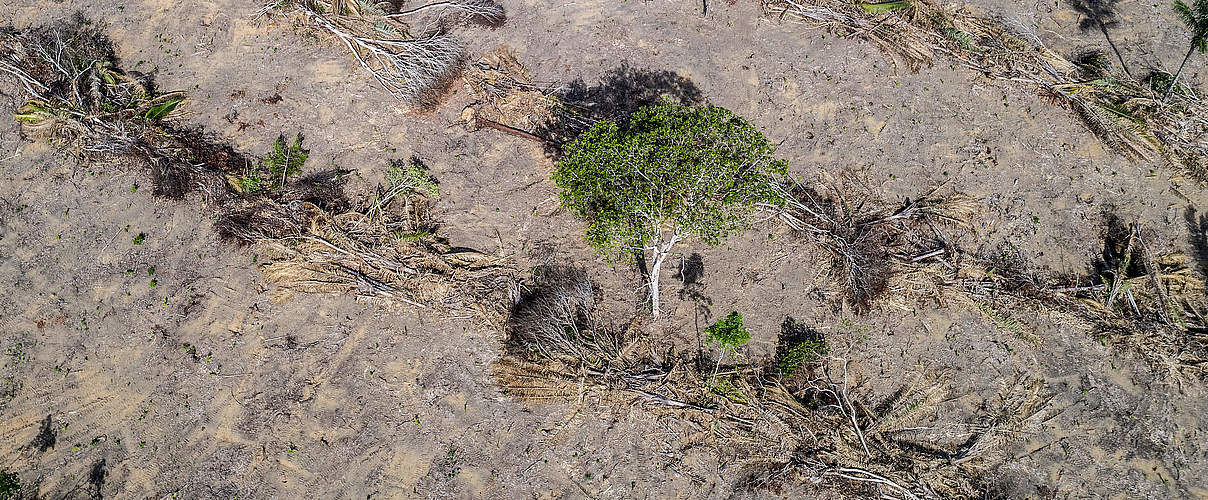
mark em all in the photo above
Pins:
pixel 482 9
pixel 864 476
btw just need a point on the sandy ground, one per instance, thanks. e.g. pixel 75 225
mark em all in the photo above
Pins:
pixel 171 367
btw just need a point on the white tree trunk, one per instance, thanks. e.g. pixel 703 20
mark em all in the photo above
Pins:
pixel 660 254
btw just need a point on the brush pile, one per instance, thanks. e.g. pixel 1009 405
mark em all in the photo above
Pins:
pixel 79 101
pixel 383 249
pixel 800 419
pixel 410 53
pixel 387 252
pixel 506 95
pixel 903 255
pixel 1130 116
pixel 871 243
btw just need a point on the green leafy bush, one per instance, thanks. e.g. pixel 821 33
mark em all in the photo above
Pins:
pixel 667 173
pixel 728 332
pixel 412 175
pixel 286 159
pixel 10 485
pixel 801 353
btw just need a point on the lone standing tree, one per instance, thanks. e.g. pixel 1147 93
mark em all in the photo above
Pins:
pixel 667 173
pixel 1196 19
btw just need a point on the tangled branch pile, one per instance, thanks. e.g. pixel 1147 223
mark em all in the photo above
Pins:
pixel 1154 304
pixel 384 254
pixel 505 94
pixel 1128 115
pixel 409 53
pixel 871 243
pixel 384 249
pixel 804 424
pixel 81 102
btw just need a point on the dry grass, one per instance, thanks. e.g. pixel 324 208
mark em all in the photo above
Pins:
pixel 1127 114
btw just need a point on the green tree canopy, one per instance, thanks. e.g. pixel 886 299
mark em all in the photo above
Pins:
pixel 668 172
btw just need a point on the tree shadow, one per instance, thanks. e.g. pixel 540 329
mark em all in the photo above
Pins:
pixel 1117 251
pixel 691 269
pixel 1197 226
pixel 793 332
pixel 1100 15
pixel 620 92
pixel 46 437
pixel 96 479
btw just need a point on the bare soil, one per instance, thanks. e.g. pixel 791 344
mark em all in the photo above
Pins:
pixel 170 367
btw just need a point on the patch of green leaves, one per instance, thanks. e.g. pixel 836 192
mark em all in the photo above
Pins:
pixel 1001 321
pixel 412 174
pixel 801 353
pixel 285 160
pixel 728 332
pixel 875 8
pixel 158 111
pixel 962 38
pixel 10 485
pixel 700 171
pixel 724 387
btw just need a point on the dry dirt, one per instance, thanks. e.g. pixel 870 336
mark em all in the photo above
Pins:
pixel 171 369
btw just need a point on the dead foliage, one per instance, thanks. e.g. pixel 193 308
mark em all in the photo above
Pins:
pixel 812 426
pixel 505 93
pixel 871 242
pixel 1148 303
pixel 410 53
pixel 81 102
pixel 383 249
pixel 1129 115
pixel 354 254
pixel 904 255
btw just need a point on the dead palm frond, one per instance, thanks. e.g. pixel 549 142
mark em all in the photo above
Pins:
pixel 1128 115
pixel 808 427
pixel 409 53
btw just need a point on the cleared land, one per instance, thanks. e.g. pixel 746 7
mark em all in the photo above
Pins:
pixel 150 353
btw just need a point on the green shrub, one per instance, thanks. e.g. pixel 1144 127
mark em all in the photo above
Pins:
pixel 796 355
pixel 667 173
pixel 286 159
pixel 728 332
pixel 10 485
pixel 412 175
